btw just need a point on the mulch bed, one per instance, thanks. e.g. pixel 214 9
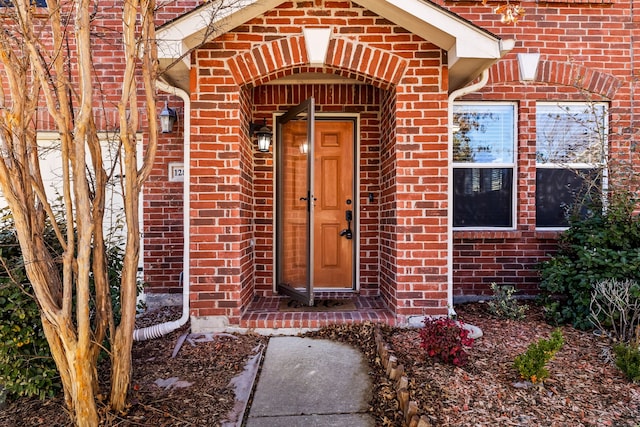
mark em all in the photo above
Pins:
pixel 208 366
pixel 584 387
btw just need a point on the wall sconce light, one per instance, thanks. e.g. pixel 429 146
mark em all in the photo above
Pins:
pixel 263 135
pixel 304 148
pixel 168 117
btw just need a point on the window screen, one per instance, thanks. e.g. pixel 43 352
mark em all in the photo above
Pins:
pixel 483 162
pixel 570 151
pixel 37 3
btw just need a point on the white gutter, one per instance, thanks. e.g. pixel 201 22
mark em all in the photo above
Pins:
pixel 484 78
pixel 156 331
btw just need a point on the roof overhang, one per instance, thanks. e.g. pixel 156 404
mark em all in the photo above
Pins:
pixel 470 49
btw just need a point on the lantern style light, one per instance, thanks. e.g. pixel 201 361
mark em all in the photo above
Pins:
pixel 168 117
pixel 263 135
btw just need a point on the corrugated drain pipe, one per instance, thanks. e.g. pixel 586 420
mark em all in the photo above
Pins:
pixel 156 331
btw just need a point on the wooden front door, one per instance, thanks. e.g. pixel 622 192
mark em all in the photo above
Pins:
pixel 333 170
pixel 315 203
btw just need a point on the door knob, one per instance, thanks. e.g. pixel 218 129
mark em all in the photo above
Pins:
pixel 347 231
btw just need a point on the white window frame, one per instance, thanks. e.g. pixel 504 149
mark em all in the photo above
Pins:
pixel 50 168
pixel 502 165
pixel 577 165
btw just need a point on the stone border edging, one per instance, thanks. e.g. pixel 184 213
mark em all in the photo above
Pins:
pixel 396 373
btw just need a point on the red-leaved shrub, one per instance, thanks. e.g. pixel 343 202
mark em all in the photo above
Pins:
pixel 445 339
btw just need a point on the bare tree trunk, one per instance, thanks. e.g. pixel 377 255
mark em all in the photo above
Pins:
pixel 133 46
pixel 74 338
pixel 33 72
pixel 76 368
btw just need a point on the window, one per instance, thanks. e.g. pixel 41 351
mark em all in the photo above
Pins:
pixel 37 3
pixel 570 153
pixel 483 164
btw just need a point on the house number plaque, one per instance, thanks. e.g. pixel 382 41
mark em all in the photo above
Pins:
pixel 176 172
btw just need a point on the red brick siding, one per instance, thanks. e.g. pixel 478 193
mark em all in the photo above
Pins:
pixel 247 263
pixel 585 52
pixel 585 48
pixel 271 47
pixel 218 137
pixel 421 170
pixel 162 201
pixel 388 202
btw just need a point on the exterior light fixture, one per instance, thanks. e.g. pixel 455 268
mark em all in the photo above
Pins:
pixel 304 148
pixel 263 135
pixel 168 117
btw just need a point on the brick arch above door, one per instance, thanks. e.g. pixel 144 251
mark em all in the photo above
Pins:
pixel 348 58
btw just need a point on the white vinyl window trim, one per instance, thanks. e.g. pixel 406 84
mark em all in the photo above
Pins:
pixel 485 107
pixel 598 121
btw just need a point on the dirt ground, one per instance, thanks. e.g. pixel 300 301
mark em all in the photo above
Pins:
pixel 584 388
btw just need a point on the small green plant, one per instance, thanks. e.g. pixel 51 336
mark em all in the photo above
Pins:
pixel 628 357
pixel 26 366
pixel 628 360
pixel 532 364
pixel 446 339
pixel 504 304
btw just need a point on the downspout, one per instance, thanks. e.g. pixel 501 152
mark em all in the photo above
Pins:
pixel 484 78
pixel 156 331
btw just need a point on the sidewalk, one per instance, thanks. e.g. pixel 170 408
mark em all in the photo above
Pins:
pixel 311 382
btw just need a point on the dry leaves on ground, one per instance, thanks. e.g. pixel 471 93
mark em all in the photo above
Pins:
pixel 159 393
pixel 584 387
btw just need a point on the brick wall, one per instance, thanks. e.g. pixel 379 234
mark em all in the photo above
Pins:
pixel 365 48
pixel 162 200
pixel 585 47
pixel 587 50
pixel 388 204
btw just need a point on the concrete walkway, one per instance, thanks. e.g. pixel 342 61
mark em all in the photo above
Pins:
pixel 311 382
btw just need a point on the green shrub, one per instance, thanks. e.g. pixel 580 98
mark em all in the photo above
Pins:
pixel 26 365
pixel 504 305
pixel 628 360
pixel 532 364
pixel 603 246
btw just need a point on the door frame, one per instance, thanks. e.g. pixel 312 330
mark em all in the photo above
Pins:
pixel 355 118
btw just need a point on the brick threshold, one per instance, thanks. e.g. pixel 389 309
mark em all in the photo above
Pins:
pixel 263 313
